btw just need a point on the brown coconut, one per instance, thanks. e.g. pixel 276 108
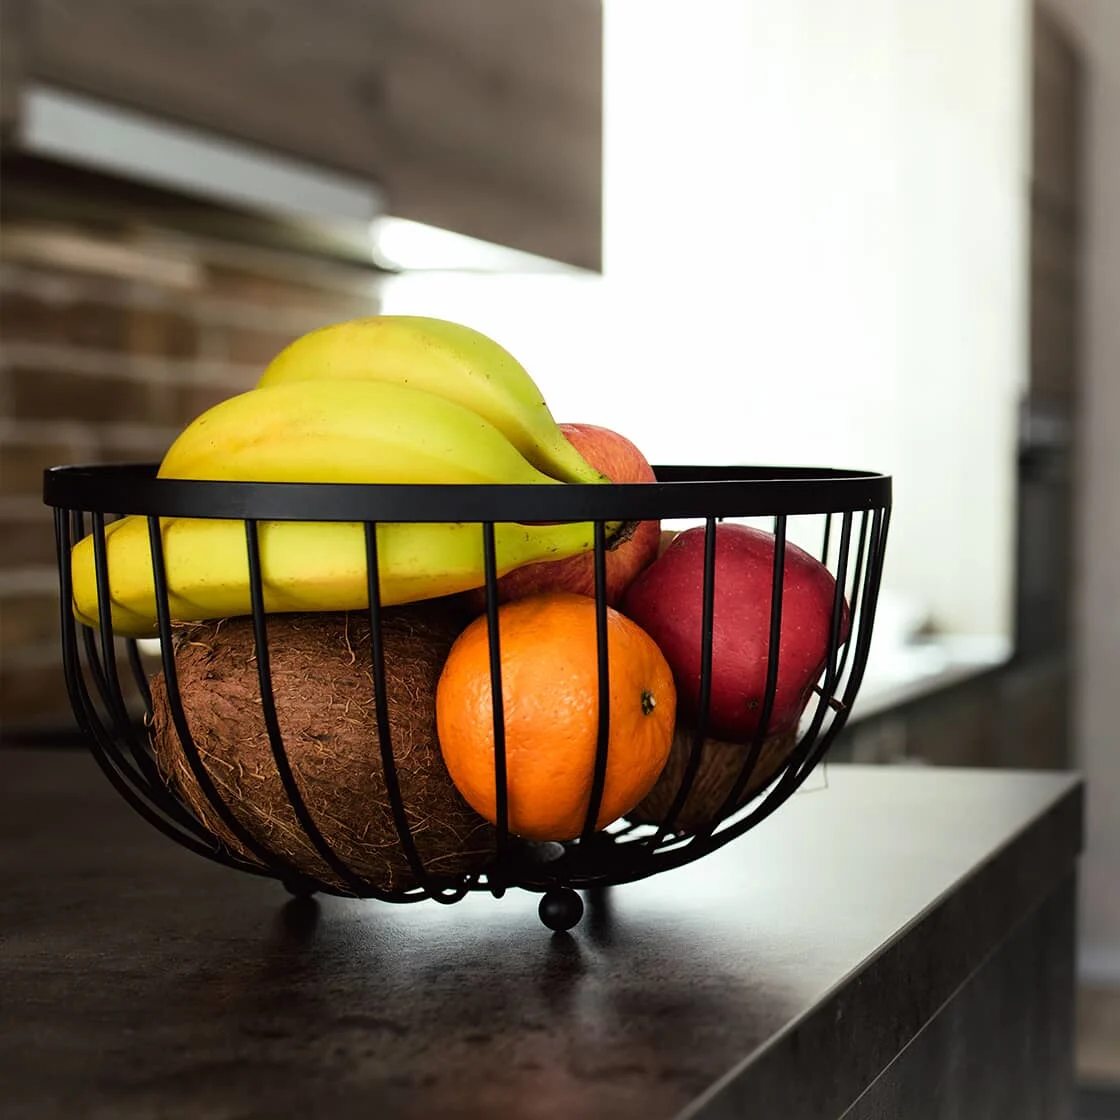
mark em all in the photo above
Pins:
pixel 323 687
pixel 720 766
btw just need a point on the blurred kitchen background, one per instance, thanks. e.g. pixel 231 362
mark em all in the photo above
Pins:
pixel 858 233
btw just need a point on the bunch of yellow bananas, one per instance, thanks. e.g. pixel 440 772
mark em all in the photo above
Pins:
pixel 387 399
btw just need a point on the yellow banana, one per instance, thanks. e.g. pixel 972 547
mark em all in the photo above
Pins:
pixel 440 357
pixel 305 566
pixel 345 431
pixel 321 431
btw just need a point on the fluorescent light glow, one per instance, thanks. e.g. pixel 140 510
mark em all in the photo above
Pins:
pixel 97 134
pixel 400 244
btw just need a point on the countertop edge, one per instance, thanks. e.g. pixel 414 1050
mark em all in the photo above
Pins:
pixel 988 903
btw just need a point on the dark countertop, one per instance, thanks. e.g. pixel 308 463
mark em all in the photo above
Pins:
pixel 788 968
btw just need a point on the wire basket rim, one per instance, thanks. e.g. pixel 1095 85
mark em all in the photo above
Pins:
pixel 680 492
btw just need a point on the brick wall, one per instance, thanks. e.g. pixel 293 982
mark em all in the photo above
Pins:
pixel 108 346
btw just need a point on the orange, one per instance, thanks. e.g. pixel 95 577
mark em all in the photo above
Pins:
pixel 550 701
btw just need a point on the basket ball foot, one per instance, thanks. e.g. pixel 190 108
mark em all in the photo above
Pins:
pixel 560 909
pixel 299 889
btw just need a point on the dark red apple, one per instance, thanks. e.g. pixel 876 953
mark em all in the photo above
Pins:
pixel 620 461
pixel 666 600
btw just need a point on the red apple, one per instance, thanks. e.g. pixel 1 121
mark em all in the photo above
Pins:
pixel 620 461
pixel 666 600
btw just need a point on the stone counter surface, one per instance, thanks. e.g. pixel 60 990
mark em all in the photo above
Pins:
pixel 786 975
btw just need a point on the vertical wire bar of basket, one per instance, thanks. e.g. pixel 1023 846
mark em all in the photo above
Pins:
pixel 854 602
pixel 88 640
pixel 862 640
pixel 871 580
pixel 112 697
pixel 122 777
pixel 707 623
pixel 603 684
pixel 809 751
pixel 144 779
pixel 500 874
pixel 149 803
pixel 68 531
pixel 827 539
pixel 140 676
pixel 113 729
pixel 272 722
pixel 89 637
pixel 773 653
pixel 880 522
pixel 384 731
pixel 71 663
pixel 780 790
pixel 278 866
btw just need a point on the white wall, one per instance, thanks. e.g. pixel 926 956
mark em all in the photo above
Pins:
pixel 1096 24
pixel 814 241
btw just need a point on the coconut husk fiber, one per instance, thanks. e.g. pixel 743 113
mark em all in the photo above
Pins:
pixel 720 766
pixel 322 682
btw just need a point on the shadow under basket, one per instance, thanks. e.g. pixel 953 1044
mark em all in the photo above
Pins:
pixel 214 730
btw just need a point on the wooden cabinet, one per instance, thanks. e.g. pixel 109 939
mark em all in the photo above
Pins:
pixel 1017 716
pixel 479 116
pixel 295 76
pixel 13 51
pixel 494 121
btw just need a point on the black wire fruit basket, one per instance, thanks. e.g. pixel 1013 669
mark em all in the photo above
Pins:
pixel 841 517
